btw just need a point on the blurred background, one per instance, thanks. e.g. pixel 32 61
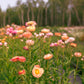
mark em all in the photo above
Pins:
pixel 44 12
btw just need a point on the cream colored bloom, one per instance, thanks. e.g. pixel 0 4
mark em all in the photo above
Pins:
pixel 37 71
pixel 45 30
pixel 31 28
pixel 48 56
pixel 29 42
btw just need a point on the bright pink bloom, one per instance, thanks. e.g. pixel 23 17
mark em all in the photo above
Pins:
pixel 21 59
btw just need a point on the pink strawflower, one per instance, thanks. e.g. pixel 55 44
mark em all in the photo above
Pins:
pixel 0 44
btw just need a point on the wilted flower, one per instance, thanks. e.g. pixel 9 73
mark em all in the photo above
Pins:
pixel 73 44
pixel 77 54
pixel 37 71
pixel 29 42
pixel 22 72
pixel 45 30
pixel 57 34
pixel 48 56
pixel 27 34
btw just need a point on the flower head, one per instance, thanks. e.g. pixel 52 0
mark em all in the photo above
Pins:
pixel 31 28
pixel 48 56
pixel 57 34
pixel 18 58
pixel 45 30
pixel 29 42
pixel 77 54
pixel 22 72
pixel 37 71
pixel 27 34
pixel 73 44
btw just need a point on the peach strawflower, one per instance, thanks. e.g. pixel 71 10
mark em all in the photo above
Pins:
pixel 27 34
pixel 45 30
pixel 22 72
pixel 73 44
pixel 77 54
pixel 30 23
pixel 64 38
pixel 37 71
pixel 57 34
pixel 48 56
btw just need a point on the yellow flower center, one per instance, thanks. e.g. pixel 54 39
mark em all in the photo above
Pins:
pixel 37 71
pixel 2 41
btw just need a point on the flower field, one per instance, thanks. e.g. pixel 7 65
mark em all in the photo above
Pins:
pixel 32 55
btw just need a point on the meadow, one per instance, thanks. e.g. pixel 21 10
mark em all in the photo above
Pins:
pixel 39 55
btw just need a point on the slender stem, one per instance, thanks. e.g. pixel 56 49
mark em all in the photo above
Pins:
pixel 76 70
pixel 62 67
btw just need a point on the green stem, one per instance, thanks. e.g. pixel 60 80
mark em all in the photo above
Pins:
pixel 76 70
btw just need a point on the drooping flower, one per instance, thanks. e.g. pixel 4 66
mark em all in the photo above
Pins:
pixel 45 30
pixel 37 71
pixel 48 56
pixel 22 72
pixel 77 54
